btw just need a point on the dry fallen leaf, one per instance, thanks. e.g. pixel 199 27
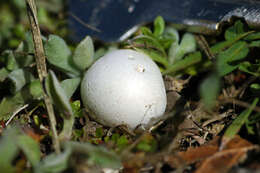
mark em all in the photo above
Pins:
pixel 209 158
pixel 134 163
pixel 192 154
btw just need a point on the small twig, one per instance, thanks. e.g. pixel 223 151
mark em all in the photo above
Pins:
pixel 41 67
pixel 203 44
pixel 244 86
pixel 238 102
pixel 84 23
pixel 15 113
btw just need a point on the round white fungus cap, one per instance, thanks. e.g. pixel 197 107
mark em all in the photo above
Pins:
pixel 124 87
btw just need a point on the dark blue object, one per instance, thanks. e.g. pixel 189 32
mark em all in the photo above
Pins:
pixel 115 20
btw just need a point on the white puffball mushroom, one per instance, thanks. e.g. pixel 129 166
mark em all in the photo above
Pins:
pixel 124 87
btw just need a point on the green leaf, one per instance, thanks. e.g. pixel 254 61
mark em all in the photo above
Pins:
pixel 97 155
pixel 248 68
pixel 99 53
pixel 8 150
pixel 166 42
pixel 146 31
pixel 54 163
pixel 150 43
pixel 220 46
pixel 99 132
pixel 19 79
pixel 155 56
pixel 30 148
pixel 159 25
pixel 235 30
pixel 148 144
pixel 187 45
pixel 35 89
pixel 10 61
pixel 255 86
pixel 3 74
pixel 209 90
pixel 9 105
pixel 76 108
pixel 250 128
pixel 70 86
pixel 23 53
pixel 186 62
pixel 236 125
pixel 59 55
pixel 169 37
pixel 58 95
pixel 84 54
pixel 171 33
pixel 122 141
pixel 67 128
pixel 28 43
pixel 174 53
pixel 254 43
pixel 253 119
pixel 253 36
pixel 236 52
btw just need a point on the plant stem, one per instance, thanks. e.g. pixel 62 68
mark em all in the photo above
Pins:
pixel 41 67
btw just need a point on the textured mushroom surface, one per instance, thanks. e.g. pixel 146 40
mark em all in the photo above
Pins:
pixel 124 87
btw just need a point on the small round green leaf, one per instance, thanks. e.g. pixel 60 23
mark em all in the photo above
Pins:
pixel 84 54
pixel 59 55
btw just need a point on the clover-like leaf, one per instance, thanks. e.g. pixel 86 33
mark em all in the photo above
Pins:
pixel 84 54
pixel 59 55
pixel 235 30
pixel 226 60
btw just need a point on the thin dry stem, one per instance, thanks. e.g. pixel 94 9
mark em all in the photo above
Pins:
pixel 41 67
